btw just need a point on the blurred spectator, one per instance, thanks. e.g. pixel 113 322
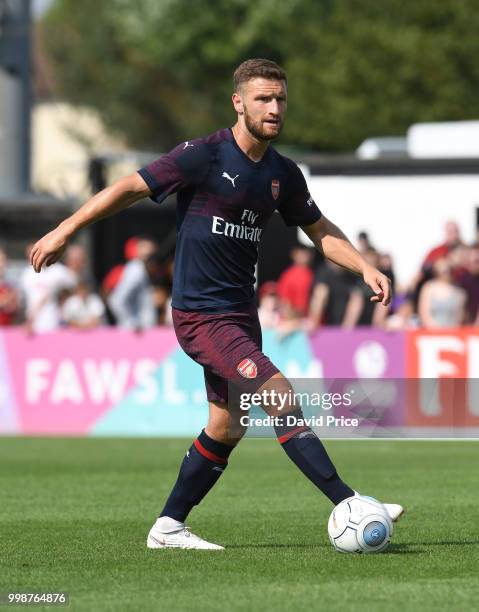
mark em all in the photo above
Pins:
pixel 41 292
pixel 360 311
pixel 441 304
pixel 341 298
pixel 113 277
pixel 452 240
pixel 294 289
pixel 452 243
pixel 84 309
pixel 332 289
pixel 385 265
pixel 268 308
pixel 403 316
pixel 469 281
pixel 132 300
pixel 363 242
pixel 62 297
pixel 458 258
pixel 294 284
pixel 160 274
pixel 76 260
pixel 9 302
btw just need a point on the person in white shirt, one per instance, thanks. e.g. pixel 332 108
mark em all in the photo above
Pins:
pixel 84 309
pixel 40 296
pixel 132 301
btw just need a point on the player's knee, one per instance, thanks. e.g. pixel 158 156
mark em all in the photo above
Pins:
pixel 224 423
pixel 279 397
pixel 228 431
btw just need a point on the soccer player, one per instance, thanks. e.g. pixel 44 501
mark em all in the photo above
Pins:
pixel 228 185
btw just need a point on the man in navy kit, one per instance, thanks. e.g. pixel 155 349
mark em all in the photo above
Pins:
pixel 228 185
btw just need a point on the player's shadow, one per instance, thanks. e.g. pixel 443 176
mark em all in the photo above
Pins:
pixel 304 546
pixel 411 548
pixel 417 548
pixel 450 543
pixel 403 549
pixel 394 549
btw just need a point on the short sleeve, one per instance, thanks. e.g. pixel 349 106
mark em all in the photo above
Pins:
pixel 298 207
pixel 186 165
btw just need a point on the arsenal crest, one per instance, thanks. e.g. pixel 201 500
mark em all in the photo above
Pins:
pixel 275 188
pixel 247 368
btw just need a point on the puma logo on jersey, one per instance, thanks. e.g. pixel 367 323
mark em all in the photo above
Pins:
pixel 229 178
pixel 187 144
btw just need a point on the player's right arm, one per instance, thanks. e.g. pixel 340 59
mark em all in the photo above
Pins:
pixel 185 165
pixel 123 193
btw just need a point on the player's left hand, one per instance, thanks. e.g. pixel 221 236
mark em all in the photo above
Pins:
pixel 380 284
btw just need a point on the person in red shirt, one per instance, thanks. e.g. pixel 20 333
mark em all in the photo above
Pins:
pixel 469 281
pixel 9 302
pixel 294 284
pixel 113 277
pixel 452 240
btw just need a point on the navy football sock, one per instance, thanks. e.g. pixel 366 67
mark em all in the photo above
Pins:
pixel 203 464
pixel 305 449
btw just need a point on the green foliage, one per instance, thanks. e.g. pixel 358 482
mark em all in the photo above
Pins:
pixel 376 67
pixel 160 71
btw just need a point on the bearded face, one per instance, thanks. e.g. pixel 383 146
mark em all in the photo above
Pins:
pixel 264 103
pixel 263 128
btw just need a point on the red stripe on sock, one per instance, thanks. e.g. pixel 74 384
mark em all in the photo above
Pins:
pixel 208 454
pixel 290 434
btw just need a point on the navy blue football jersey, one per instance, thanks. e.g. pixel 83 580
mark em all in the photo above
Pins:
pixel 224 200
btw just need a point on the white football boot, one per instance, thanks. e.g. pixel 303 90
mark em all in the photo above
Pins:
pixel 168 533
pixel 395 511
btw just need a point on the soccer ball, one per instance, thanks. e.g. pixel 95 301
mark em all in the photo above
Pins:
pixel 360 524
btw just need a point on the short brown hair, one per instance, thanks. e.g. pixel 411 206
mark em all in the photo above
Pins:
pixel 254 68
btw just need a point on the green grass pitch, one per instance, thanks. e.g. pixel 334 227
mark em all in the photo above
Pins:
pixel 75 514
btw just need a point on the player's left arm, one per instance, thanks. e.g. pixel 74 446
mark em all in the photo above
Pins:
pixel 332 242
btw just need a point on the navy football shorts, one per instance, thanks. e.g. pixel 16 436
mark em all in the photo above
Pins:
pixel 228 346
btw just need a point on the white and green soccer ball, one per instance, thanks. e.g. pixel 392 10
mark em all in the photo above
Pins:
pixel 360 524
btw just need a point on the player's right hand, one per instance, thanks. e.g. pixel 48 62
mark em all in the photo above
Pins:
pixel 48 249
